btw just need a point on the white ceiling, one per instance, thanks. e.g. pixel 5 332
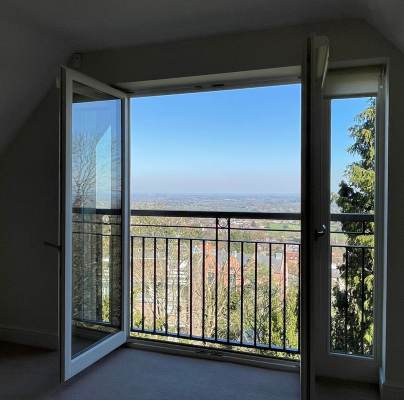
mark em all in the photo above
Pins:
pixel 37 36
pixel 94 24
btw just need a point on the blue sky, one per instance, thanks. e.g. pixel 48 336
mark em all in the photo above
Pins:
pixel 230 141
pixel 343 113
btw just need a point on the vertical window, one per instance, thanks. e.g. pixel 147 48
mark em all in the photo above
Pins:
pixel 352 238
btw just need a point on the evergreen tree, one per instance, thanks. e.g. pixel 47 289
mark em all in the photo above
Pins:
pixel 352 319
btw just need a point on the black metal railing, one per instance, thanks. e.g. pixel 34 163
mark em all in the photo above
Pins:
pixel 352 284
pixel 96 274
pixel 233 279
pixel 225 283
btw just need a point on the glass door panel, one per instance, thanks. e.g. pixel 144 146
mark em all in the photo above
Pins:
pixel 347 275
pixel 96 217
pixel 352 225
pixel 95 224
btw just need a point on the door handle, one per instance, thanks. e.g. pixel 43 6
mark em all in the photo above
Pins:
pixel 321 232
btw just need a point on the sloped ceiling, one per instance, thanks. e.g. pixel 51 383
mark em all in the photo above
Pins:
pixel 28 65
pixel 41 34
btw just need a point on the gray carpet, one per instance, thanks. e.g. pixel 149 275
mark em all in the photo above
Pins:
pixel 136 374
pixel 27 373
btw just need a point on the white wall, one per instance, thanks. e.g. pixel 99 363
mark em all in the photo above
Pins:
pixel 30 60
pixel 32 282
pixel 29 216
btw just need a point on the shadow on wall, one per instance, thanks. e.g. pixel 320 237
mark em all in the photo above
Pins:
pixel 29 202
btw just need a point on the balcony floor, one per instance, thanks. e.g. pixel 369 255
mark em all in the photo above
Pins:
pixel 141 375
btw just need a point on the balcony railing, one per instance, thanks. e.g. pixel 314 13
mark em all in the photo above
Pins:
pixel 230 279
pixel 217 278
pixel 352 284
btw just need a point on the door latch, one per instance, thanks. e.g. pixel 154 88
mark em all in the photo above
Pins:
pixel 321 232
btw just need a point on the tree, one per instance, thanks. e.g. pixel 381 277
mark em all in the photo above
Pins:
pixel 352 321
pixel 83 169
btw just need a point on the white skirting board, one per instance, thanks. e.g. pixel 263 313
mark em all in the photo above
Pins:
pixel 45 340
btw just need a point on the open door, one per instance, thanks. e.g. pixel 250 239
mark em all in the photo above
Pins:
pixel 95 221
pixel 314 227
pixel 347 309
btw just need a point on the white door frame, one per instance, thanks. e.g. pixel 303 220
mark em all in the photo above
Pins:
pixel 315 67
pixel 69 366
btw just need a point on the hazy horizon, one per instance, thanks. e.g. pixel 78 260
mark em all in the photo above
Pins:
pixel 214 194
pixel 259 202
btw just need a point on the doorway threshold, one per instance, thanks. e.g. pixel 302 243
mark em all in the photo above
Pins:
pixel 215 354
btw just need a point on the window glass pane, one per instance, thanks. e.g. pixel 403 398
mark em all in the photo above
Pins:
pixel 96 224
pixel 228 150
pixel 204 277
pixel 353 126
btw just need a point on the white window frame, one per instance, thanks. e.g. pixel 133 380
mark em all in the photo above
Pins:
pixel 71 366
pixel 339 365
pixel 209 83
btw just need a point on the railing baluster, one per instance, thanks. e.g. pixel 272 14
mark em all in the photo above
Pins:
pixel 346 299
pixel 166 303
pixel 154 284
pixel 132 292
pixel 98 282
pixel 216 273
pixel 362 299
pixel 203 289
pixel 270 297
pixel 242 292
pixel 143 254
pixel 284 296
pixel 298 298
pixel 255 293
pixel 228 280
pixel 190 288
pixel 178 287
